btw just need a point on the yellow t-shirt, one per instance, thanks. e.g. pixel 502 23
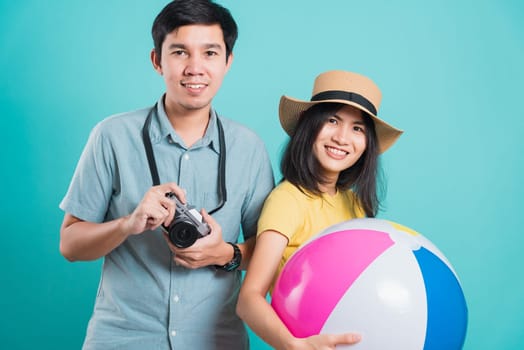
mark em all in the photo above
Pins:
pixel 299 216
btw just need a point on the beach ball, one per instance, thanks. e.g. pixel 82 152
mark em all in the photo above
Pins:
pixel 375 277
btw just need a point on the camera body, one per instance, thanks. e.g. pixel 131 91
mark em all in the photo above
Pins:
pixel 187 225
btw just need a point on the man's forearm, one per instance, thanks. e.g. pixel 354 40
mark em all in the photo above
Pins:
pixel 82 240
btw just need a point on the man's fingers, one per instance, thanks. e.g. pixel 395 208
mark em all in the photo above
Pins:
pixel 170 207
pixel 208 218
pixel 173 188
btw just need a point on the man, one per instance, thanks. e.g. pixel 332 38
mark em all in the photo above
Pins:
pixel 154 294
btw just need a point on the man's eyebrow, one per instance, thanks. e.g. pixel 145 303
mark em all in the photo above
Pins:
pixel 206 46
pixel 176 46
pixel 213 46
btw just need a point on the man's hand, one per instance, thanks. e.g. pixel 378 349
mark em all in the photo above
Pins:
pixel 82 240
pixel 208 250
pixel 154 210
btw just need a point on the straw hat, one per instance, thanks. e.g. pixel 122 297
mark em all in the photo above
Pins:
pixel 341 87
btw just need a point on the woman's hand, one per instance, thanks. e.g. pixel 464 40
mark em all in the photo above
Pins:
pixel 326 341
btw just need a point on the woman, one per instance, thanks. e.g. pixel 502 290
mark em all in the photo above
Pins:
pixel 329 170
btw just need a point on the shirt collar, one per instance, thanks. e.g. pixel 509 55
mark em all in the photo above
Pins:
pixel 161 128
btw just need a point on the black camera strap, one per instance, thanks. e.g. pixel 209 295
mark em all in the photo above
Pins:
pixel 149 148
pixel 222 191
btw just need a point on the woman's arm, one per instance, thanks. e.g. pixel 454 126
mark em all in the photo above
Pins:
pixel 260 316
pixel 252 305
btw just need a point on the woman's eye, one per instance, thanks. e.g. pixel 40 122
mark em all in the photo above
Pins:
pixel 358 128
pixel 332 121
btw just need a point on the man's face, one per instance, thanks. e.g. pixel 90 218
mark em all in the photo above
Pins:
pixel 193 64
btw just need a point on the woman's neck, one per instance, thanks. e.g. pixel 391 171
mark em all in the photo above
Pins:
pixel 329 188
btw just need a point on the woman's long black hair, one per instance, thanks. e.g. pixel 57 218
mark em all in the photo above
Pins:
pixel 301 168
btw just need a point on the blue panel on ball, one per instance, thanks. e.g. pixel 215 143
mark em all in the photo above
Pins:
pixel 447 310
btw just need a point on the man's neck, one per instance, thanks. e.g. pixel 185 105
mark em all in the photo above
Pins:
pixel 190 125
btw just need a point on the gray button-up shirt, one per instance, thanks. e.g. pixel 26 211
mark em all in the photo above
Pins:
pixel 144 300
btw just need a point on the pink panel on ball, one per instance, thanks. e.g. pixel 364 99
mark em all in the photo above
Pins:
pixel 319 273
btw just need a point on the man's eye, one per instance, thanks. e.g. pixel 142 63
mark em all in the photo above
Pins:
pixel 178 52
pixel 211 53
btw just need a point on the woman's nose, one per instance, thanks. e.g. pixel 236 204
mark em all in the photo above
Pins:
pixel 341 136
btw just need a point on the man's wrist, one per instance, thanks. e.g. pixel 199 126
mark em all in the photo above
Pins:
pixel 124 227
pixel 235 261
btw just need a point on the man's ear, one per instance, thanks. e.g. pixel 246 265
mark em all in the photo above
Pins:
pixel 229 61
pixel 155 60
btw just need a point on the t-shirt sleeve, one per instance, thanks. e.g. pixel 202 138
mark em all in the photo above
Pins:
pixel 281 213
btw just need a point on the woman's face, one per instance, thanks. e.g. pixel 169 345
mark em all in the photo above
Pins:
pixel 341 141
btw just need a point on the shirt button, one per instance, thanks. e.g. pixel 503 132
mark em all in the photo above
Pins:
pixel 186 156
pixel 173 333
pixel 176 298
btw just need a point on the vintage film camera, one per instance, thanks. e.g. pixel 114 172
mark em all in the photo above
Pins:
pixel 187 225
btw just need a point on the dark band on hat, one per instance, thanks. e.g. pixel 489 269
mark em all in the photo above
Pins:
pixel 344 95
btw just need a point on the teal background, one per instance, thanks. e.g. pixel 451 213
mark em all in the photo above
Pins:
pixel 451 73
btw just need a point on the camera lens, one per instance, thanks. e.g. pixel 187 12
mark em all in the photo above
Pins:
pixel 183 234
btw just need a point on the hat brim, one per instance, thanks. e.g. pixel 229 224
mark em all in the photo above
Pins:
pixel 290 110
